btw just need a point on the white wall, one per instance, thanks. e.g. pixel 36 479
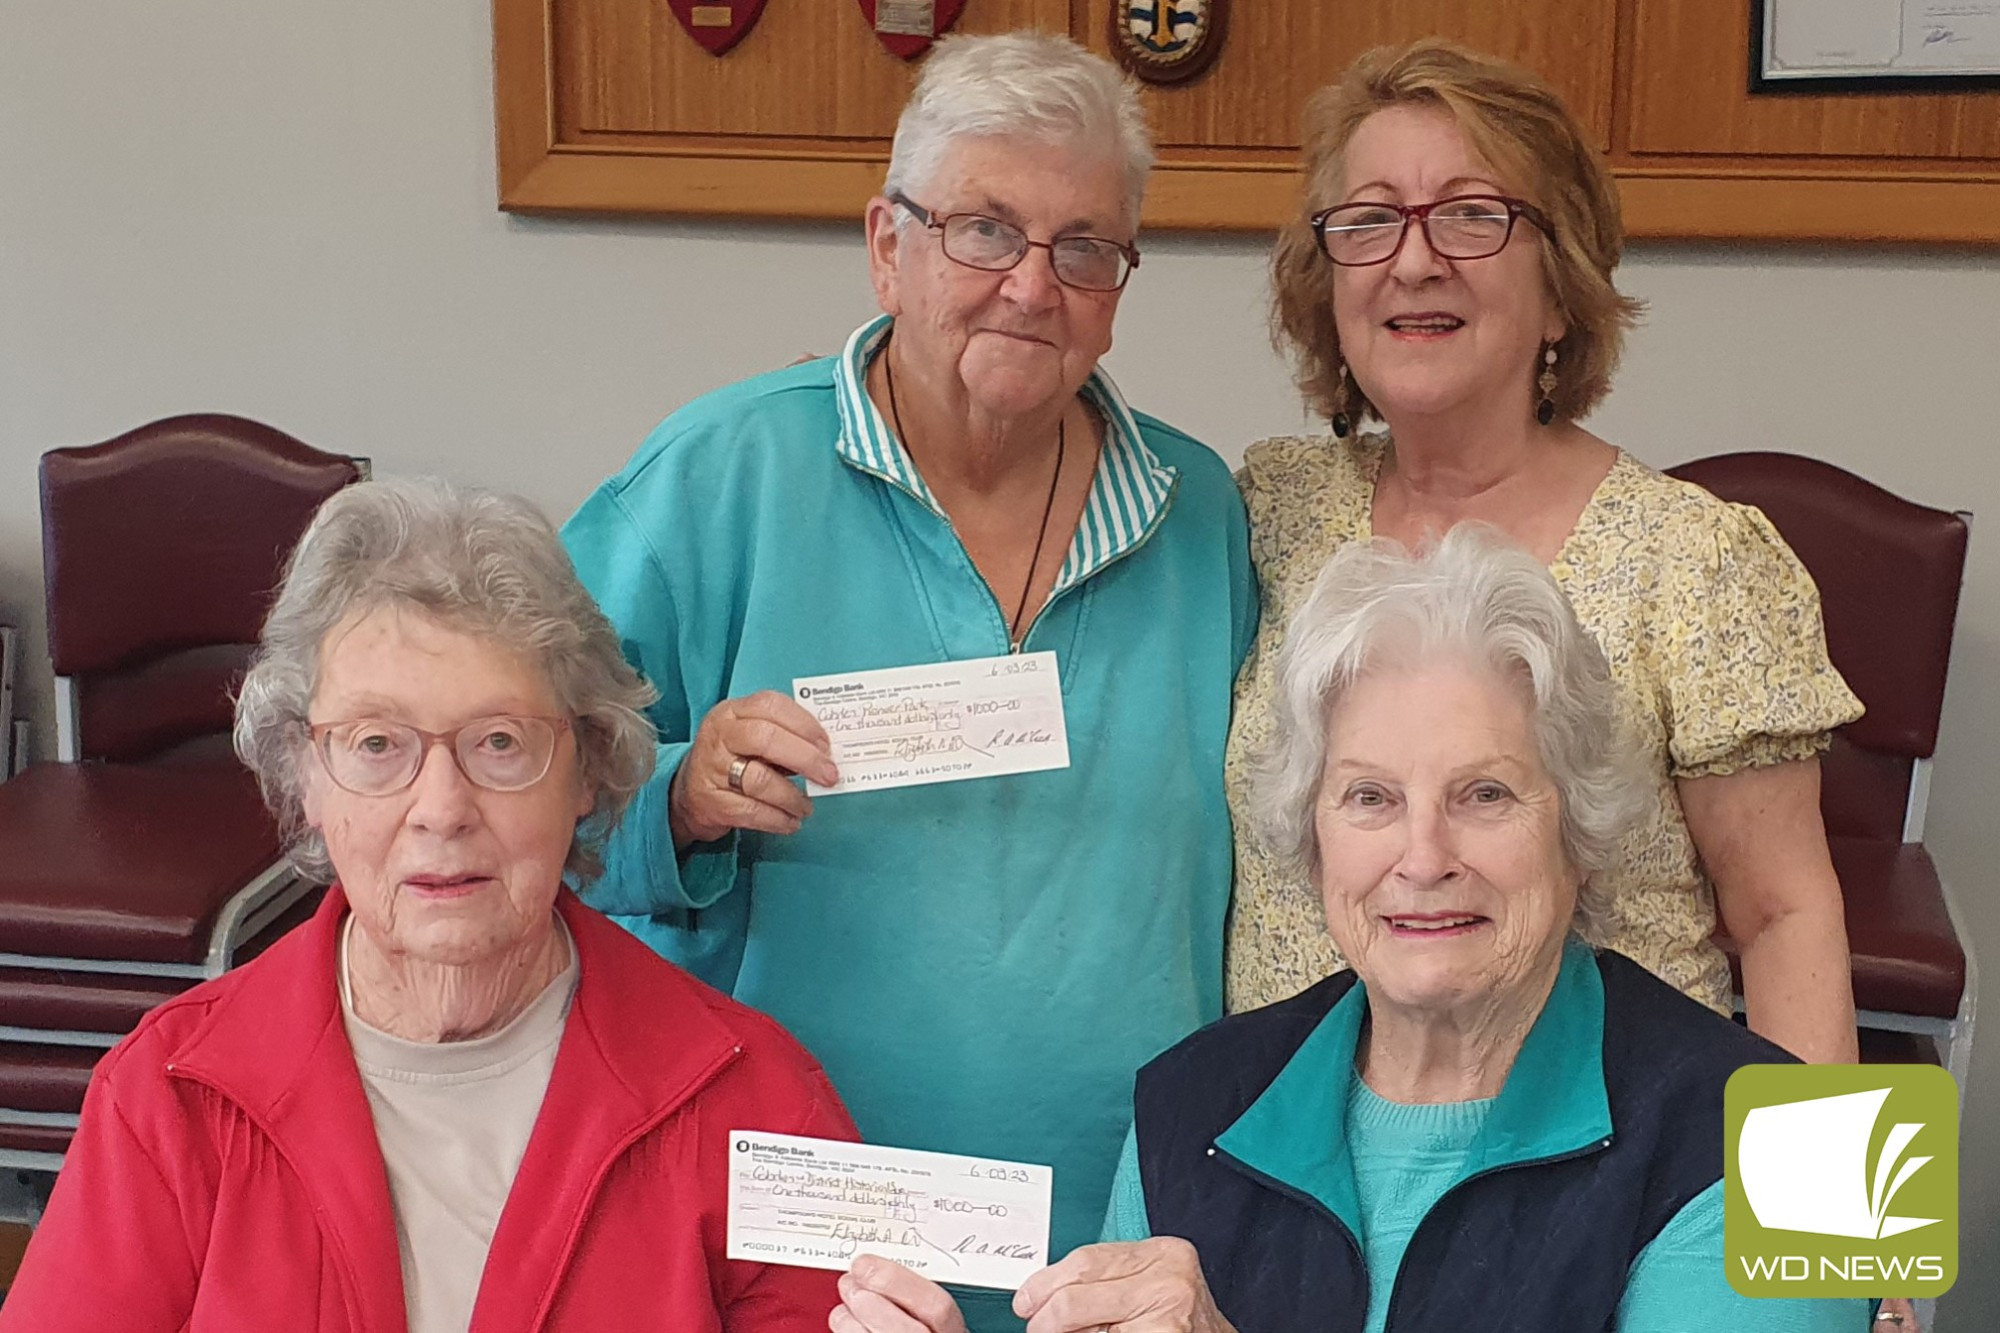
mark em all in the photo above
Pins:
pixel 287 211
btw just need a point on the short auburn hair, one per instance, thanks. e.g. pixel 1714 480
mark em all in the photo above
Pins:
pixel 1520 126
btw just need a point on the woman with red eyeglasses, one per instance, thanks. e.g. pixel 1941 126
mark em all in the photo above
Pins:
pixel 457 1098
pixel 1446 295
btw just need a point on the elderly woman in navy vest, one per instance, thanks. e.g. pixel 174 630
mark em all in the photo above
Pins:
pixel 1485 1124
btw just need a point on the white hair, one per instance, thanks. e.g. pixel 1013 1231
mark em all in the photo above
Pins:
pixel 1026 85
pixel 475 560
pixel 1476 598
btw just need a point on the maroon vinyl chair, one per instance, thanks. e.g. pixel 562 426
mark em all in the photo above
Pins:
pixel 143 860
pixel 1889 573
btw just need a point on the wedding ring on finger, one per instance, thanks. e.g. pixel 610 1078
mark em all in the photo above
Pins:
pixel 737 768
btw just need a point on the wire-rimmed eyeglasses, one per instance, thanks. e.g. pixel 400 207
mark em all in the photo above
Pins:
pixel 1088 263
pixel 1464 226
pixel 371 757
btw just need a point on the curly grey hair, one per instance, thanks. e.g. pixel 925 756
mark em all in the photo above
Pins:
pixel 1474 595
pixel 478 561
pixel 1030 85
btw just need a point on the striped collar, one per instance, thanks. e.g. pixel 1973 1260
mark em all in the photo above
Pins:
pixel 1128 497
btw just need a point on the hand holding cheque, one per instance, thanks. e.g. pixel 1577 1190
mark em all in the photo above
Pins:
pixel 939 722
pixel 738 772
pixel 1148 1286
pixel 901 1222
pixel 866 731
pixel 818 1203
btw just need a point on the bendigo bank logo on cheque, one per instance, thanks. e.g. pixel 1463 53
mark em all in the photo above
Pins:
pixel 1842 1180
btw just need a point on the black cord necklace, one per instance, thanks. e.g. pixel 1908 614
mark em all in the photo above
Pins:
pixel 1048 506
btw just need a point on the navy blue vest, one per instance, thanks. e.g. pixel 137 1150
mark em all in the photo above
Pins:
pixel 1542 1246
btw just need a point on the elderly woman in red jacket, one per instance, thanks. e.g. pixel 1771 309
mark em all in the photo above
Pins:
pixel 456 1099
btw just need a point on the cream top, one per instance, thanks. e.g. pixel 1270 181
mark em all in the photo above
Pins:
pixel 453 1120
pixel 1712 629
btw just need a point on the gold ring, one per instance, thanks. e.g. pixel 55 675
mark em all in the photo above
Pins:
pixel 737 768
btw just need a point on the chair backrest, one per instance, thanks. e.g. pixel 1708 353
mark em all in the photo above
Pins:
pixel 161 552
pixel 1889 573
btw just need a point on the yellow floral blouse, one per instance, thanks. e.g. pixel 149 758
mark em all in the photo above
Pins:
pixel 1712 629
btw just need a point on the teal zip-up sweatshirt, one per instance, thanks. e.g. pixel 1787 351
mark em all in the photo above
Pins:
pixel 982 965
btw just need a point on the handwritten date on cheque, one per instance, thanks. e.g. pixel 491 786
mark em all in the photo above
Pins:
pixel 817 1203
pixel 941 722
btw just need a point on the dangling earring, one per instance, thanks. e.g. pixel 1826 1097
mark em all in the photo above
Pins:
pixel 1341 424
pixel 1545 411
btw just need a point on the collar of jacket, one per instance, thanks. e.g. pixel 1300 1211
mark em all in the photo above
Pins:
pixel 1128 497
pixel 640 1041
pixel 1553 1103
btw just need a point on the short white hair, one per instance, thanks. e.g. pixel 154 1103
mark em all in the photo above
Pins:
pixel 1473 597
pixel 1020 85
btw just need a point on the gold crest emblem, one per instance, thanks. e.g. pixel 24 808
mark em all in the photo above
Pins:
pixel 1166 41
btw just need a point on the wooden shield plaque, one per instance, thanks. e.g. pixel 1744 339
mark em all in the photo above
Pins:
pixel 1167 41
pixel 717 24
pixel 907 27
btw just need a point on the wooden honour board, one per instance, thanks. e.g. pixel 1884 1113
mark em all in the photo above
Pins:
pixel 608 106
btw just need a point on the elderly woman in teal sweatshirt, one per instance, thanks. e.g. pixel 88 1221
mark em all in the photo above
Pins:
pixel 981 965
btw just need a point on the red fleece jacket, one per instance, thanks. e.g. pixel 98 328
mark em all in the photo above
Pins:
pixel 226 1177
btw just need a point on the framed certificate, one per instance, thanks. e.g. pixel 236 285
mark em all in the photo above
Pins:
pixel 1821 46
